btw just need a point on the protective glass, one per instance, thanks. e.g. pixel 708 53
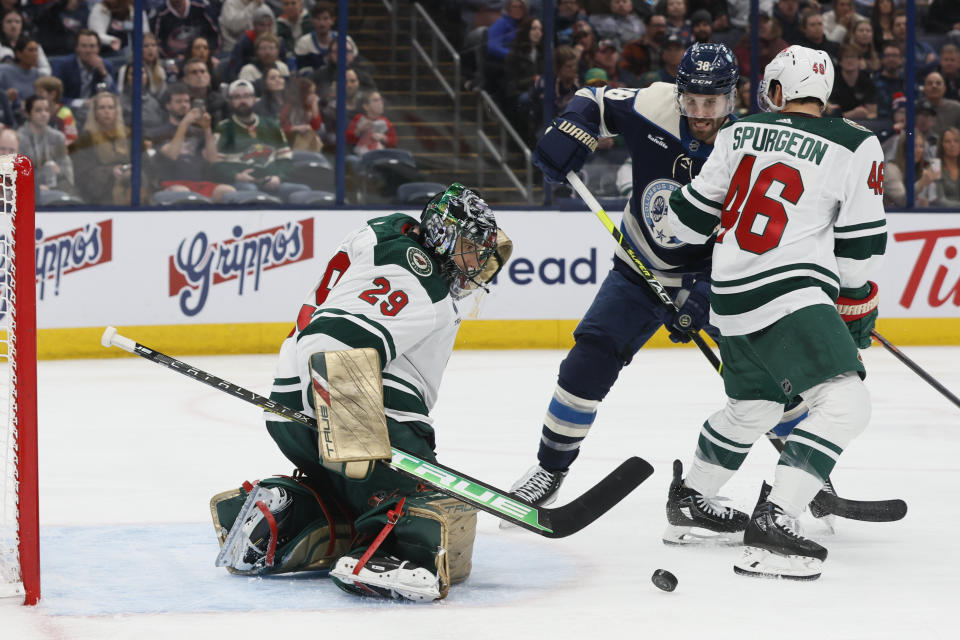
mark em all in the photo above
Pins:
pixel 694 105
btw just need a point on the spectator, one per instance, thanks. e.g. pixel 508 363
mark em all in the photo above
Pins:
pixel 185 147
pixel 569 12
pixel 641 56
pixel 881 19
pixel 11 30
pixel 240 134
pixel 113 22
pixel 156 76
pixel 272 90
pixel 151 111
pixel 300 119
pixel 787 13
pixel 311 49
pixel 199 48
pixel 50 88
pixel 501 33
pixel 770 44
pixel 328 74
pixel 9 142
pixel 943 16
pixel 853 94
pixel 524 63
pixel 196 75
pixel 621 25
pixel 566 83
pixel 244 52
pixel 83 72
pixel 267 55
pixel 924 55
pixel 46 147
pixel 236 18
pixel 950 70
pixel 924 189
pixel 19 77
pixel 670 59
pixel 608 59
pixel 101 156
pixel 676 14
pixel 838 22
pixel 739 18
pixel 719 11
pixel 742 108
pixel 889 80
pixel 58 22
pixel 702 26
pixel 585 46
pixel 293 24
pixel 861 38
pixel 948 111
pixel 811 27
pixel 370 130
pixel 180 22
pixel 948 185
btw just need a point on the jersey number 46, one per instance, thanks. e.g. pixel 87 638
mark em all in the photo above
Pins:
pixel 758 218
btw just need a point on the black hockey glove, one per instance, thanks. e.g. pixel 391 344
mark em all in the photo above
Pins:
pixel 564 147
pixel 693 310
pixel 858 308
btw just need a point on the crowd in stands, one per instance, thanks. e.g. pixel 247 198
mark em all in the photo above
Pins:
pixel 233 92
pixel 633 43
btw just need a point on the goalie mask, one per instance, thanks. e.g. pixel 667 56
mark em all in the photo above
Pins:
pixel 461 231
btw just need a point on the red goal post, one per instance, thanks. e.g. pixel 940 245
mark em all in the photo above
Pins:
pixel 19 514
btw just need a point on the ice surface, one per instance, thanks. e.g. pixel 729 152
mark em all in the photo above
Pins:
pixel 130 454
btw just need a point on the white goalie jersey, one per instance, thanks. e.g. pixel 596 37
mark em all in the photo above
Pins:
pixel 797 206
pixel 381 290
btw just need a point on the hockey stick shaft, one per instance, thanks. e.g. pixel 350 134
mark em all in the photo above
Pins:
pixel 658 289
pixel 551 523
pixel 913 366
pixel 661 292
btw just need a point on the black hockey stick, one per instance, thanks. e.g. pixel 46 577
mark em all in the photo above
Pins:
pixel 913 366
pixel 551 523
pixel 870 511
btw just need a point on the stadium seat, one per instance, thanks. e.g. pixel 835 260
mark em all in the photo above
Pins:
pixel 171 198
pixel 418 192
pixel 310 197
pixel 381 171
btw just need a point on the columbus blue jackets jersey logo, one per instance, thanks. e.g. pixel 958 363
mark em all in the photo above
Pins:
pixel 653 207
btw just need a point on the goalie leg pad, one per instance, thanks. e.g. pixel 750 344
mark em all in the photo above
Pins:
pixel 434 531
pixel 348 396
pixel 308 533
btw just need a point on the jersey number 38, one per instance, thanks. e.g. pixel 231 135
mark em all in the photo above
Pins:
pixel 758 218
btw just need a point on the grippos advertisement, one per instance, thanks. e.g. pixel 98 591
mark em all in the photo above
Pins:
pixel 172 268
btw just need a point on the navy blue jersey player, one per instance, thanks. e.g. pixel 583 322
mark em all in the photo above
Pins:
pixel 669 131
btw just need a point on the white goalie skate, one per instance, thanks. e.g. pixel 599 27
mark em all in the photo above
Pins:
pixel 387 577
pixel 245 548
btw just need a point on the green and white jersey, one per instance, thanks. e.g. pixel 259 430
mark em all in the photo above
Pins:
pixel 797 205
pixel 382 290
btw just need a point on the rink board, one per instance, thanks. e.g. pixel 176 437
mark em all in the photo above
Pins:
pixel 232 281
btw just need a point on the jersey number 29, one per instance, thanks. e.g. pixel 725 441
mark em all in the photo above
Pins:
pixel 744 203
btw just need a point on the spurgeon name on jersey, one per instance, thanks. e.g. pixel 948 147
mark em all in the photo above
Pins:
pixel 797 206
pixel 665 157
pixel 380 289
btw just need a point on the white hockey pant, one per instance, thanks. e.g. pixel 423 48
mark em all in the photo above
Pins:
pixel 839 410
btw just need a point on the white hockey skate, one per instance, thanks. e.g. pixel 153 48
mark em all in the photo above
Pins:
pixel 247 546
pixel 387 577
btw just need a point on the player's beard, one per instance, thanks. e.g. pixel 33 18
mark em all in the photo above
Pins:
pixel 705 129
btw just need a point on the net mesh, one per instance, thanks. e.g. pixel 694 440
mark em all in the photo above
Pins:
pixel 10 580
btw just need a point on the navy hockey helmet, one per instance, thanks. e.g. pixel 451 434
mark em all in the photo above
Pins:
pixel 461 231
pixel 707 69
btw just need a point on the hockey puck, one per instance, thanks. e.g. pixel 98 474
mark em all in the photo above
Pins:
pixel 664 580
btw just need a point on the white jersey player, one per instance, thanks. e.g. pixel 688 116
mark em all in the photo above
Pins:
pixel 796 203
pixel 390 289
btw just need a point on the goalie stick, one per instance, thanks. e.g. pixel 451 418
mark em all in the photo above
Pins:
pixel 559 522
pixel 825 502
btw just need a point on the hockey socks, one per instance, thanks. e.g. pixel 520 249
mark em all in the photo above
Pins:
pixel 566 424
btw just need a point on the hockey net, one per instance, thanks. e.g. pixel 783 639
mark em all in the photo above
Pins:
pixel 19 523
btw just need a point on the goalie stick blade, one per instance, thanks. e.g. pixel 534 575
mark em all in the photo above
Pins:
pixel 574 516
pixel 863 510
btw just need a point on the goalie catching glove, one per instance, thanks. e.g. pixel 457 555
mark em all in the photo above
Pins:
pixel 564 147
pixel 858 308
